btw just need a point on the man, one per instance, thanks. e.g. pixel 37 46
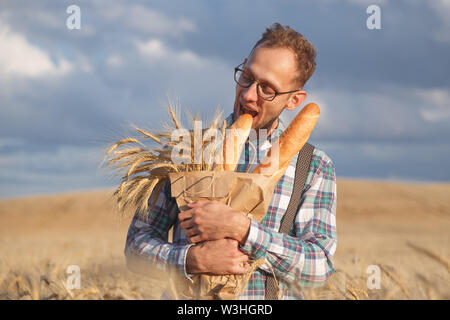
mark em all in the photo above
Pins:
pixel 211 237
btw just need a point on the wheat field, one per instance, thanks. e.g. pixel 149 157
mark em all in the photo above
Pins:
pixel 400 228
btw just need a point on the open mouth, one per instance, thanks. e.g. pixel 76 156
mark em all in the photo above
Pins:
pixel 244 109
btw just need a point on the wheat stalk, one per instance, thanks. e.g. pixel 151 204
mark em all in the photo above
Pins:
pixel 395 279
pixel 430 254
pixel 145 168
pixel 148 135
pixel 121 142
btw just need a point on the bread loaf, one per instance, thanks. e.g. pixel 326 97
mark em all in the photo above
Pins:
pixel 236 136
pixel 290 142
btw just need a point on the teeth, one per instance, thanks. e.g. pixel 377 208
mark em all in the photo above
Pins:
pixel 245 109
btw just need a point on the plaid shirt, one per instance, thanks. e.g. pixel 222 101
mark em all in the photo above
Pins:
pixel 304 257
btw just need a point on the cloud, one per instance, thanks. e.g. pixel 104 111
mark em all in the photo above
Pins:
pixel 18 57
pixel 409 161
pixel 442 11
pixel 437 104
pixel 59 169
pixel 359 2
pixel 151 21
pixel 105 95
pixel 114 60
pixel 147 20
pixel 6 143
pixel 385 114
pixel 155 49
pixel 383 95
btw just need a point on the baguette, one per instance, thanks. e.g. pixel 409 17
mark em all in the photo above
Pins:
pixel 290 142
pixel 234 142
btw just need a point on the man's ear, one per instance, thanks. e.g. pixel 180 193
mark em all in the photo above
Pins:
pixel 296 100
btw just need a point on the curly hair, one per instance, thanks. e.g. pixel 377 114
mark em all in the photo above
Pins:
pixel 278 36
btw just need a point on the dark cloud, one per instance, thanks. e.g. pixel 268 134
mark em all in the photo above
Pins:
pixel 421 161
pixel 382 92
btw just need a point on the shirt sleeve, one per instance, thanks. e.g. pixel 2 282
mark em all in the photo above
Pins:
pixel 147 245
pixel 306 254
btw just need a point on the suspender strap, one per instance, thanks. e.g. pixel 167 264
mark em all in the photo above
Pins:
pixel 301 173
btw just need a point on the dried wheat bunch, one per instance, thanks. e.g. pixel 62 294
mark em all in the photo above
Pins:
pixel 145 169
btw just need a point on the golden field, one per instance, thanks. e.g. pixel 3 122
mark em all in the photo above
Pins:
pixel 404 229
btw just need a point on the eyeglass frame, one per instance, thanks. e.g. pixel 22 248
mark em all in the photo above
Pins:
pixel 277 93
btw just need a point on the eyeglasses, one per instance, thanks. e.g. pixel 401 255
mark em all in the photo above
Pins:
pixel 264 91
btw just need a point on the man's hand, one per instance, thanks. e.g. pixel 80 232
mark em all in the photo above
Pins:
pixel 213 220
pixel 218 257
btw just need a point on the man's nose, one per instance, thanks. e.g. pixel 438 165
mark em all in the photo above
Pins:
pixel 251 93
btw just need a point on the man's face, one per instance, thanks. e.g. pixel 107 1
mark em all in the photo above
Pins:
pixel 275 67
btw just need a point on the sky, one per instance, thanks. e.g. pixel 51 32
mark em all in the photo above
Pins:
pixel 67 94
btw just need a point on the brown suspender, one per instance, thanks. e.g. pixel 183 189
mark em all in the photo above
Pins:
pixel 301 173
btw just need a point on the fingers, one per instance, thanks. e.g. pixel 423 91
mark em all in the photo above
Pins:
pixel 198 203
pixel 240 268
pixel 243 258
pixel 241 264
pixel 196 210
pixel 183 215
pixel 189 233
pixel 193 235
pixel 187 224
pixel 195 239
pixel 223 257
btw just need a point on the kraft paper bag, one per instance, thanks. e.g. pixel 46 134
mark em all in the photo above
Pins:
pixel 245 192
